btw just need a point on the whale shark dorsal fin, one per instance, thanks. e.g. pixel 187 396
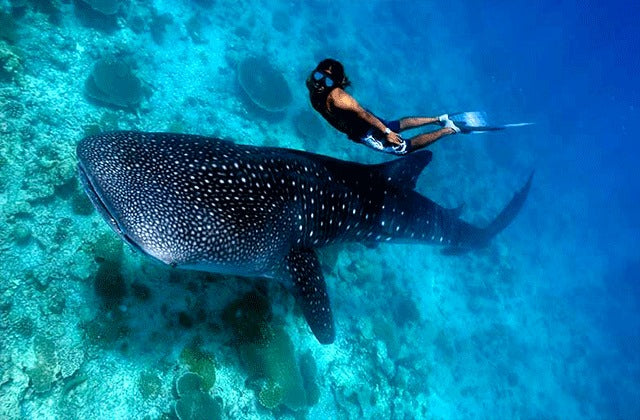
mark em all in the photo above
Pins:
pixel 405 171
pixel 310 291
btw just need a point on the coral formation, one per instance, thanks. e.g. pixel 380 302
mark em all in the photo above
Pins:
pixel 281 20
pixel 405 310
pixel 194 28
pixel 42 375
pixel 309 371
pixel 386 332
pixel 248 317
pixel 149 384
pixel 271 395
pixel 80 204
pixel 12 110
pixel 274 359
pixel 267 352
pixel 74 382
pixel 158 26
pixel 7 27
pixel 194 403
pixel 140 291
pixel 50 8
pixel 10 63
pixel 309 126
pixel 105 331
pixel 24 326
pixel 112 82
pixel 21 234
pixel 109 284
pixel 263 84
pixel 187 383
pixel 200 362
pixel 108 247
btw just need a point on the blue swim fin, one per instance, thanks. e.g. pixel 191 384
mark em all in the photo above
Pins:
pixel 474 122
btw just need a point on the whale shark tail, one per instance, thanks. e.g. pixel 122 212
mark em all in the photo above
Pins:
pixel 511 210
pixel 475 237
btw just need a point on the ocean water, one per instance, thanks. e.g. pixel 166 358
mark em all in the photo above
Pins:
pixel 542 323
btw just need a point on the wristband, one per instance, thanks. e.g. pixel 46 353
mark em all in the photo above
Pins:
pixel 387 130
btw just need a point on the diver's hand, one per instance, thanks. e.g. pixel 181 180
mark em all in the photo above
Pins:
pixel 394 138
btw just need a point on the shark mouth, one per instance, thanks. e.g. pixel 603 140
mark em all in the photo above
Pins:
pixel 96 199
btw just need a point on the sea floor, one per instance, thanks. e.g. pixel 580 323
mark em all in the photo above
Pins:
pixel 90 328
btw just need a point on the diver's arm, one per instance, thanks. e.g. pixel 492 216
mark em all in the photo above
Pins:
pixel 341 99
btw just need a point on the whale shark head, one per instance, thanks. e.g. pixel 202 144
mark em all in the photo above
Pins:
pixel 188 201
pixel 121 181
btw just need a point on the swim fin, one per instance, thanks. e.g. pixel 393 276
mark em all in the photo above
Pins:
pixel 474 122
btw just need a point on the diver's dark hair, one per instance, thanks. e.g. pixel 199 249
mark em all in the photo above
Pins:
pixel 337 71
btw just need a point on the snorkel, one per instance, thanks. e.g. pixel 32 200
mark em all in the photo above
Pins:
pixel 328 75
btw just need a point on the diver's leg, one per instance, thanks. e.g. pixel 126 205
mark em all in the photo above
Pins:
pixel 407 123
pixel 423 140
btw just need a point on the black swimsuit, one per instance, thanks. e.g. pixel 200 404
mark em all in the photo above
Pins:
pixel 356 128
pixel 347 122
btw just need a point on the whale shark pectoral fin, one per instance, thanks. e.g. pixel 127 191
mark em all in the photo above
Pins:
pixel 311 293
pixel 456 211
pixel 405 171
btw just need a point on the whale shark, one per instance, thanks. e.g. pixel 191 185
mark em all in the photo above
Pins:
pixel 207 204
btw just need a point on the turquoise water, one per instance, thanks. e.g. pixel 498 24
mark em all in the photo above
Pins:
pixel 543 323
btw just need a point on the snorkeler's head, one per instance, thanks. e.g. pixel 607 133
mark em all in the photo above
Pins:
pixel 328 74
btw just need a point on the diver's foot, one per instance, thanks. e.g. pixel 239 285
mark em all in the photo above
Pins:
pixel 450 125
pixel 442 119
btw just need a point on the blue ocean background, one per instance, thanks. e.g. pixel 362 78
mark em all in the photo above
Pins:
pixel 543 323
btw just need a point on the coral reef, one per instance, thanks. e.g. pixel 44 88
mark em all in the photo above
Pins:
pixel 194 28
pixel 42 374
pixel 107 248
pixel 106 331
pixel 112 82
pixel 248 317
pixel 13 382
pixel 193 402
pixel 281 20
pixel 200 362
pixel 267 353
pixel 149 384
pixel 21 234
pixel 308 125
pixel 309 371
pixel 10 62
pixel 263 84
pixel 88 325
pixel 271 395
pixel 80 203
pixel 50 8
pixel 274 359
pixel 7 28
pixel 312 130
pixel 12 110
pixel 109 284
pixel 158 25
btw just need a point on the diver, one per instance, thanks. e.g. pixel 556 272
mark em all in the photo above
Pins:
pixel 326 85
